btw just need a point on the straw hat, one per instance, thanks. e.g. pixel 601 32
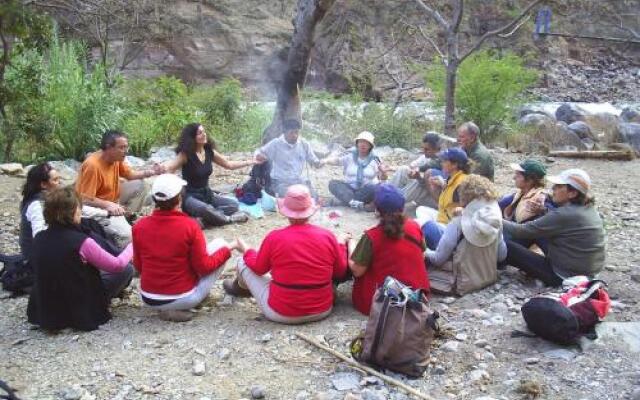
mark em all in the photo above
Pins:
pixel 367 137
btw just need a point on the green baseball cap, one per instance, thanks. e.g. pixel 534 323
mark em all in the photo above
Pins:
pixel 531 168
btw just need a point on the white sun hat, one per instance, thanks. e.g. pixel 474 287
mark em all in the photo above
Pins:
pixel 481 222
pixel 167 186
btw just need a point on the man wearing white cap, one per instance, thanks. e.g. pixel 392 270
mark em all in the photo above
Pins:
pixel 177 269
pixel 574 231
pixel 362 170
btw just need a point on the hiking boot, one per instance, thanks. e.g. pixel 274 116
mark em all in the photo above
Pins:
pixel 238 217
pixel 176 315
pixel 232 287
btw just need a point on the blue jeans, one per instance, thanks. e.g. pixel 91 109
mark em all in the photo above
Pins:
pixel 432 232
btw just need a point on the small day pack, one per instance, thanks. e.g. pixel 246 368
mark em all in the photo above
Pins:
pixel 17 275
pixel 564 317
pixel 399 331
pixel 471 268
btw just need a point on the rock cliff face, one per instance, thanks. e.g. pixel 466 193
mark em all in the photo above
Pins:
pixel 367 45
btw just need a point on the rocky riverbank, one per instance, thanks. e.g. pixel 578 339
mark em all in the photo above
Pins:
pixel 229 351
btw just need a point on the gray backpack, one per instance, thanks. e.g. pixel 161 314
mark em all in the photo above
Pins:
pixel 471 268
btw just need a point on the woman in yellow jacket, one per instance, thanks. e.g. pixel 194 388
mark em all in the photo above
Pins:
pixel 455 167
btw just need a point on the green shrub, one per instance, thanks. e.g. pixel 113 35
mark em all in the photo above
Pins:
pixel 221 102
pixel 488 89
pixel 390 128
pixel 76 106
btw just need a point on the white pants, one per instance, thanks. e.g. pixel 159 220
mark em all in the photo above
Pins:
pixel 202 289
pixel 259 288
pixel 412 189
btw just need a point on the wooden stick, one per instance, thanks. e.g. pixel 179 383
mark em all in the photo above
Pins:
pixel 596 154
pixel 365 368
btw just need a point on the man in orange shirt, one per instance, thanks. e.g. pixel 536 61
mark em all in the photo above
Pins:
pixel 100 187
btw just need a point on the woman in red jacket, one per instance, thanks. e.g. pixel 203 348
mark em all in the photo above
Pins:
pixel 392 248
pixel 177 270
pixel 303 260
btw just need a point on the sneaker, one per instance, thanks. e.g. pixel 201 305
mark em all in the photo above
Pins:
pixel 358 205
pixel 176 315
pixel 232 287
pixel 239 217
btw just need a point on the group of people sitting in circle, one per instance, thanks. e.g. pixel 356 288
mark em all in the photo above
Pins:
pixel 84 251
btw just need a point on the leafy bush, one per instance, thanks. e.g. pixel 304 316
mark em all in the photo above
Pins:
pixel 76 106
pixel 487 89
pixel 220 102
pixel 389 127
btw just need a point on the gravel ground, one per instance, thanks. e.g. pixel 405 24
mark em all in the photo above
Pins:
pixel 228 351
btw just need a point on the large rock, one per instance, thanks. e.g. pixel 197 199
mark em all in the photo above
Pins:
pixel 536 120
pixel 566 139
pixel 11 169
pixel 68 169
pixel 630 133
pixel 630 115
pixel 603 126
pixel 569 113
pixel 582 129
pixel 532 109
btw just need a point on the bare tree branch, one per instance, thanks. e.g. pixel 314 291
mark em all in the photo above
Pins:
pixel 514 30
pixel 500 30
pixel 434 14
pixel 457 15
pixel 433 43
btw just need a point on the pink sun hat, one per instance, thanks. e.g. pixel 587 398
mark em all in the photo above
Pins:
pixel 297 203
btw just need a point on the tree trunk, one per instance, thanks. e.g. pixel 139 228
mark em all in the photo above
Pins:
pixel 309 13
pixel 450 100
pixel 450 84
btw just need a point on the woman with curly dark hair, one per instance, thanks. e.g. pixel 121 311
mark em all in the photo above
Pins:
pixel 196 154
pixel 392 248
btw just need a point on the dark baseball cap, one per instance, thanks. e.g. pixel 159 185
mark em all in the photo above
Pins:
pixel 531 168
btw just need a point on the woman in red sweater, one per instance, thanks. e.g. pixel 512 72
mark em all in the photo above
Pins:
pixel 177 269
pixel 392 248
pixel 303 260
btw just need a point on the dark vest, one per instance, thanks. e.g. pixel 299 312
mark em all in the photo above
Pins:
pixel 196 172
pixel 26 234
pixel 67 293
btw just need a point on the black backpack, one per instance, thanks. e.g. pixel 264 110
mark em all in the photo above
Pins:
pixel 564 317
pixel 259 179
pixel 17 274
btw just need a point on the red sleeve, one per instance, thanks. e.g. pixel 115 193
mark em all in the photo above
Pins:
pixel 203 263
pixel 340 267
pixel 260 261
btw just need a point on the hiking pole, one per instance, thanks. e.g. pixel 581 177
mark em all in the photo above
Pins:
pixel 364 368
